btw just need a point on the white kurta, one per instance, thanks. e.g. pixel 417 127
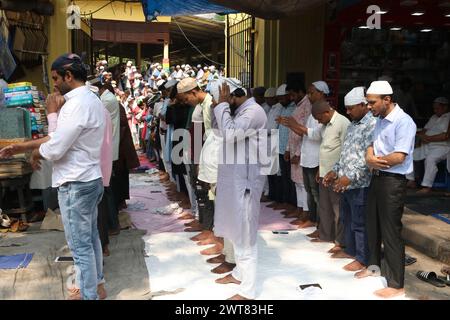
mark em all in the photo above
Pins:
pixel 236 215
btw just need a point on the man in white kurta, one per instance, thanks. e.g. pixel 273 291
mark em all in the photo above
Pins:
pixel 435 143
pixel 239 185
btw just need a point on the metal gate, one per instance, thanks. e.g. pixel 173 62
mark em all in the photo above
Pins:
pixel 82 44
pixel 240 50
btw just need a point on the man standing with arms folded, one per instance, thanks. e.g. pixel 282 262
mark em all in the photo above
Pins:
pixel 390 158
pixel 351 176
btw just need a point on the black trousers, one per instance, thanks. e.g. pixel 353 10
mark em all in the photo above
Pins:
pixel 274 192
pixel 102 220
pixel 285 185
pixel 111 209
pixel 205 206
pixel 312 189
pixel 384 225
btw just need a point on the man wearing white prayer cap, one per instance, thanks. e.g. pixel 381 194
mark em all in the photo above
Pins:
pixel 284 189
pixel 202 124
pixel 436 145
pixel 239 186
pixel 351 177
pixel 391 158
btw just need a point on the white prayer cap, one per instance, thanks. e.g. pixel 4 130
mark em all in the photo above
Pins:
pixel 170 83
pixel 160 82
pixel 178 66
pixel 321 86
pixel 281 91
pixel 183 65
pixel 212 68
pixel 205 68
pixel 133 68
pixel 102 68
pixel 199 66
pixel 441 100
pixel 186 85
pixel 355 96
pixel 129 64
pixel 233 83
pixel 104 73
pixel 104 62
pixel 380 87
pixel 270 93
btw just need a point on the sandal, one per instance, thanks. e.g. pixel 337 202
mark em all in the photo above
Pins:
pixel 409 260
pixel 5 221
pixel 431 278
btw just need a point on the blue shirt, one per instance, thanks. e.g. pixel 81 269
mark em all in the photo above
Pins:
pixel 283 132
pixel 396 133
pixel 352 162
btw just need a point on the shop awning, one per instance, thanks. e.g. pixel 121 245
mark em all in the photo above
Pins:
pixel 266 9
pixel 153 8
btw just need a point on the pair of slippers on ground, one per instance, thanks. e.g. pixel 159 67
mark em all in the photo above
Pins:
pixel 13 225
pixel 434 279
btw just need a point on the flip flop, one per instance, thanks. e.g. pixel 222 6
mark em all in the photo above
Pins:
pixel 409 260
pixel 431 278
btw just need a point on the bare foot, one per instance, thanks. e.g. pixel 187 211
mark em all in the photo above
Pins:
pixel 387 293
pixel 289 214
pixel 306 224
pixel 271 205
pixel 297 222
pixel 101 291
pixel 193 223
pixel 228 279
pixel 211 240
pixel 202 235
pixel 217 249
pixel 238 297
pixel 424 191
pixel 335 249
pixel 411 184
pixel 265 199
pixel 342 255
pixel 187 216
pixel 364 273
pixel 224 268
pixel 314 234
pixel 219 259
pixel 106 251
pixel 75 294
pixel 193 229
pixel 354 266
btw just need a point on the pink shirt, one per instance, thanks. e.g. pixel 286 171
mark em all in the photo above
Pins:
pixel 106 151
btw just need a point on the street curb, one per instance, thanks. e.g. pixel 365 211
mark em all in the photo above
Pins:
pixel 427 234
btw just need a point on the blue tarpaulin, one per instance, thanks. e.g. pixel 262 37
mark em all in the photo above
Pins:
pixel 153 8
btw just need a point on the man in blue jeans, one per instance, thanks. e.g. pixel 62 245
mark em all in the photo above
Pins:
pixel 74 147
pixel 351 176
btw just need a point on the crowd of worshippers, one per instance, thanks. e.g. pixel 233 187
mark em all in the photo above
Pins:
pixel 346 178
